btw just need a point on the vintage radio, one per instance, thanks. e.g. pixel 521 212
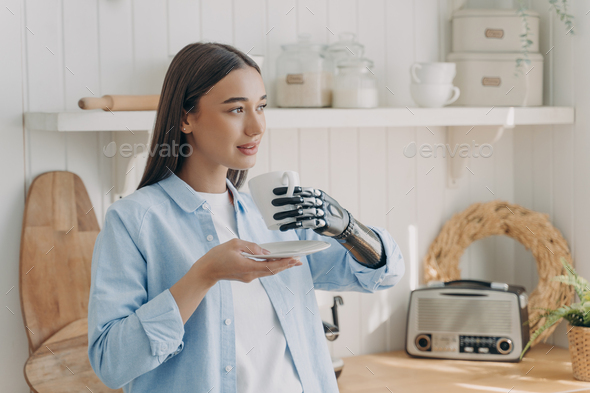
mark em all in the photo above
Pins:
pixel 469 320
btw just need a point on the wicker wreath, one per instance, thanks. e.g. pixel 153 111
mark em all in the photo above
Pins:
pixel 530 228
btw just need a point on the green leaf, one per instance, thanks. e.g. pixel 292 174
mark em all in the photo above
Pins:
pixel 578 287
pixel 577 314
pixel 554 317
pixel 572 273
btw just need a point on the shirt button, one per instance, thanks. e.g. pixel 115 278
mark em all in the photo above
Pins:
pixel 228 368
pixel 210 237
pixel 206 206
pixel 228 321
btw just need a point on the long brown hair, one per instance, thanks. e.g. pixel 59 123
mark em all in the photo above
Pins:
pixel 195 69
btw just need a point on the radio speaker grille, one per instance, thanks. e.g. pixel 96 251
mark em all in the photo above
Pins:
pixel 462 315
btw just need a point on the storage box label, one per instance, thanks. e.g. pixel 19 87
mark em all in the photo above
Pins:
pixel 295 79
pixel 491 81
pixel 494 33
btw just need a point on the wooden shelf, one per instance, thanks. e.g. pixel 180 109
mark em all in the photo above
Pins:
pixel 552 373
pixel 98 120
pixel 408 117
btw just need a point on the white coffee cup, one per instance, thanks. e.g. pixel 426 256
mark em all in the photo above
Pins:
pixel 261 188
pixel 433 73
pixel 434 96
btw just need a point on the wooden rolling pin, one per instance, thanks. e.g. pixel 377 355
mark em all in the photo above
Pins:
pixel 121 102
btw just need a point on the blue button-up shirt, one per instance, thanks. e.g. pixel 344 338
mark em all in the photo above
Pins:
pixel 149 240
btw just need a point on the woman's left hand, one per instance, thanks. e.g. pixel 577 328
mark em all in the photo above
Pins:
pixel 311 208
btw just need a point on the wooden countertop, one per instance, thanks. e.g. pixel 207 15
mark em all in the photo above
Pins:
pixel 544 369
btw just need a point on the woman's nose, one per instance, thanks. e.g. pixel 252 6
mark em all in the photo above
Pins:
pixel 256 124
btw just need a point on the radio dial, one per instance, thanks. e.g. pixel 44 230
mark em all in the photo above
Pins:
pixel 504 346
pixel 423 342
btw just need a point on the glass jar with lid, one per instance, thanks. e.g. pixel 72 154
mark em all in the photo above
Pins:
pixel 304 74
pixel 355 85
pixel 346 47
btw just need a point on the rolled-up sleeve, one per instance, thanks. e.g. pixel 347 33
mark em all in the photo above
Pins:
pixel 336 269
pixel 127 334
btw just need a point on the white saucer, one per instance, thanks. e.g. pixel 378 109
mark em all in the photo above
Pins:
pixel 293 248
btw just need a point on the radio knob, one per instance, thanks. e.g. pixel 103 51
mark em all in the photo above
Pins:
pixel 423 342
pixel 504 345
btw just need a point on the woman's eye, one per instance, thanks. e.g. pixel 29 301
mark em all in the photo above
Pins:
pixel 241 109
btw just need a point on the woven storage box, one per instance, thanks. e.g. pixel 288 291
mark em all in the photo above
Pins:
pixel 579 346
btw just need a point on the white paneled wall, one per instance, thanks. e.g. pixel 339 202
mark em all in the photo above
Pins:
pixel 125 47
pixel 72 49
pixel 543 159
pixel 13 339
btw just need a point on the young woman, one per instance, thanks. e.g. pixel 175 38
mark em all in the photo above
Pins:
pixel 174 306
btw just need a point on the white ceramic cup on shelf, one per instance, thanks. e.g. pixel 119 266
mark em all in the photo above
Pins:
pixel 261 189
pixel 433 73
pixel 434 96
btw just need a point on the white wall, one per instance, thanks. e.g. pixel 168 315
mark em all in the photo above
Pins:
pixel 572 203
pixel 544 155
pixel 12 197
pixel 123 47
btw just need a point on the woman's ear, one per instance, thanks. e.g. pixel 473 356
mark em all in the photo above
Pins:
pixel 184 125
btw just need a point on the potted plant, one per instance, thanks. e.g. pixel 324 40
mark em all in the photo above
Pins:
pixel 560 7
pixel 578 316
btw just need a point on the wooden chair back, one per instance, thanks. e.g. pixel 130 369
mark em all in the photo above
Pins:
pixel 57 242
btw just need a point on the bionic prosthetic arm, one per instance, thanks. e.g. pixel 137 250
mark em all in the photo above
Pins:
pixel 315 209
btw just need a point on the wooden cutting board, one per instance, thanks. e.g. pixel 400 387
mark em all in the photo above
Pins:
pixel 57 242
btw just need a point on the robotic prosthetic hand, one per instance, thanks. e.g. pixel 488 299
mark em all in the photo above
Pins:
pixel 313 208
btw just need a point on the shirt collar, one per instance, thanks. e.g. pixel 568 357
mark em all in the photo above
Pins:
pixel 188 199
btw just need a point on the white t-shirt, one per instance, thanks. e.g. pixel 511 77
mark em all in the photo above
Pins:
pixel 264 362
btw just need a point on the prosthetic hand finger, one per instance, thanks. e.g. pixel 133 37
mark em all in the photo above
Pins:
pixel 287 214
pixel 296 200
pixel 303 191
pixel 283 190
pixel 300 212
pixel 287 201
pixel 306 223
